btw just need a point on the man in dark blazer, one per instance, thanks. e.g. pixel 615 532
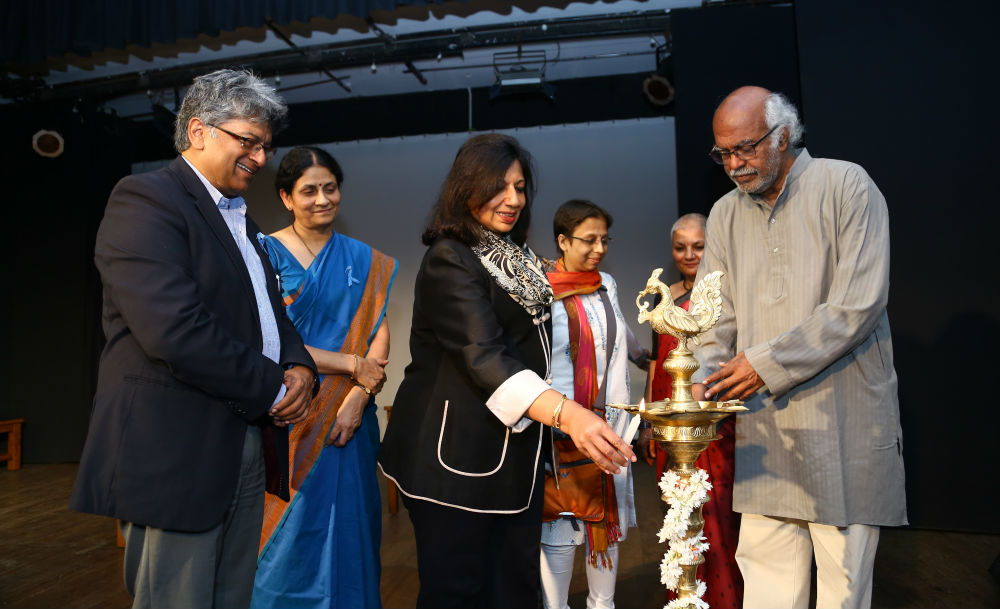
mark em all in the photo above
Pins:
pixel 202 371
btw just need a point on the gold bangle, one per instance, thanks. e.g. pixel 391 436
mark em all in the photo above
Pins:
pixel 558 412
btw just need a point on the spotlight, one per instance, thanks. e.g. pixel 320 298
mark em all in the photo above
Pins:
pixel 48 144
pixel 658 90
pixel 520 72
pixel 657 86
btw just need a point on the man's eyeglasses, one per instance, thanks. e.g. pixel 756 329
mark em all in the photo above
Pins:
pixel 743 152
pixel 592 240
pixel 249 143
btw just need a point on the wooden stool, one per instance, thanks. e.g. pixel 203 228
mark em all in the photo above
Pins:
pixel 13 455
pixel 391 491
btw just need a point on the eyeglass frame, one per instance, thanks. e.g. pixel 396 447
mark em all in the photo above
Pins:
pixel 720 156
pixel 605 241
pixel 248 141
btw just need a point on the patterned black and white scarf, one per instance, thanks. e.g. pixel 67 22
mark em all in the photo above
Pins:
pixel 516 271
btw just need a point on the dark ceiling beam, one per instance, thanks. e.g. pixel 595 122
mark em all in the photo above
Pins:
pixel 324 58
pixel 412 69
pixel 271 25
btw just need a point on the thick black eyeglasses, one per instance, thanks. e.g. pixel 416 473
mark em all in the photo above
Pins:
pixel 592 240
pixel 248 143
pixel 743 152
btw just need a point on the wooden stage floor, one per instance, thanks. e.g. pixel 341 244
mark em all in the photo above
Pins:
pixel 51 557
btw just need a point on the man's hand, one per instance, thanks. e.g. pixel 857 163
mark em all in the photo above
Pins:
pixel 735 380
pixel 298 394
pixel 698 391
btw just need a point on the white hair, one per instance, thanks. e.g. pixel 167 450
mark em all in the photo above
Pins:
pixel 779 111
pixel 226 95
pixel 693 218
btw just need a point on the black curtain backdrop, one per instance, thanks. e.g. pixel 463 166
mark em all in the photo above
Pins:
pixel 53 207
pixel 897 87
pixel 717 49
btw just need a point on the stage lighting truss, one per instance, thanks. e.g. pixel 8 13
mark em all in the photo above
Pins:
pixel 520 72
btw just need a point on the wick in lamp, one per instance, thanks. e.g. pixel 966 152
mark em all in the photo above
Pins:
pixel 681 425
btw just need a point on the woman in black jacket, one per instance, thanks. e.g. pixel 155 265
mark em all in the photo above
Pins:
pixel 464 443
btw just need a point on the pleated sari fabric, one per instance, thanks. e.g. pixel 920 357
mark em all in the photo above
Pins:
pixel 321 549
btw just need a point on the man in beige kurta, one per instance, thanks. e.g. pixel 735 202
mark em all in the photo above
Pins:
pixel 804 340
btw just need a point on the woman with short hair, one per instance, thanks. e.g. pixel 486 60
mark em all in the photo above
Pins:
pixel 722 525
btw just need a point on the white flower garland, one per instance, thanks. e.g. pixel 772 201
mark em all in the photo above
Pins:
pixel 684 496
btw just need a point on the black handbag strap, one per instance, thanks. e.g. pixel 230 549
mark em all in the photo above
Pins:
pixel 612 325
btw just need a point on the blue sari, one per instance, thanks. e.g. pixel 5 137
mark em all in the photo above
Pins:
pixel 321 549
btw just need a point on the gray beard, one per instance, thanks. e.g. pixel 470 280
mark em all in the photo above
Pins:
pixel 763 181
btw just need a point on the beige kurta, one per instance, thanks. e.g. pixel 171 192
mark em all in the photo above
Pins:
pixel 804 296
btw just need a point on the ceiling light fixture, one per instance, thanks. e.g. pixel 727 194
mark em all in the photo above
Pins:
pixel 520 72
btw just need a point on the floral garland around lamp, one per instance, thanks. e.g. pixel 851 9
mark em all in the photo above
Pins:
pixel 684 494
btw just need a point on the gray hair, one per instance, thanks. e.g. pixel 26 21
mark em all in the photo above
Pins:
pixel 779 111
pixel 692 218
pixel 226 95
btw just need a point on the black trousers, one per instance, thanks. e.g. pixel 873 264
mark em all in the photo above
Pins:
pixel 474 560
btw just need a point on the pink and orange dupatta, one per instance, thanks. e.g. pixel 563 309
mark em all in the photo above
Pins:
pixel 568 286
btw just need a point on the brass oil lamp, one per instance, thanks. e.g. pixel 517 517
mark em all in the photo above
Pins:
pixel 683 426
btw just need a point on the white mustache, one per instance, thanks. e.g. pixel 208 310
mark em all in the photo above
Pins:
pixel 746 171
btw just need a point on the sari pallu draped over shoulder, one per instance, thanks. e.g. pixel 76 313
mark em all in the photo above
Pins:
pixel 338 304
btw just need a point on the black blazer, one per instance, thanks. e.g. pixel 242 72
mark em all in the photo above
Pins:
pixel 182 374
pixel 443 444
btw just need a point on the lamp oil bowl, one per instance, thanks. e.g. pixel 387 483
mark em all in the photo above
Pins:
pixel 683 426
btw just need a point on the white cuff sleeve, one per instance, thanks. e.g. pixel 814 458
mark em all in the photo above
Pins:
pixel 511 399
pixel 281 393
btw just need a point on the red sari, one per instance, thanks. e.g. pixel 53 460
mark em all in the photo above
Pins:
pixel 722 526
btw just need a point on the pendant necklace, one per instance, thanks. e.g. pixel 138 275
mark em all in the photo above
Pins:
pixel 304 244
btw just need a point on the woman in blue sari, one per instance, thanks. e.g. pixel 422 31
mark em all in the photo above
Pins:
pixel 321 549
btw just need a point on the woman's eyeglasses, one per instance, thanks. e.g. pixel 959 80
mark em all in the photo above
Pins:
pixel 592 240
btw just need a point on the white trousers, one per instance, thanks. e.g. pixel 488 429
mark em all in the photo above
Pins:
pixel 557 571
pixel 775 556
